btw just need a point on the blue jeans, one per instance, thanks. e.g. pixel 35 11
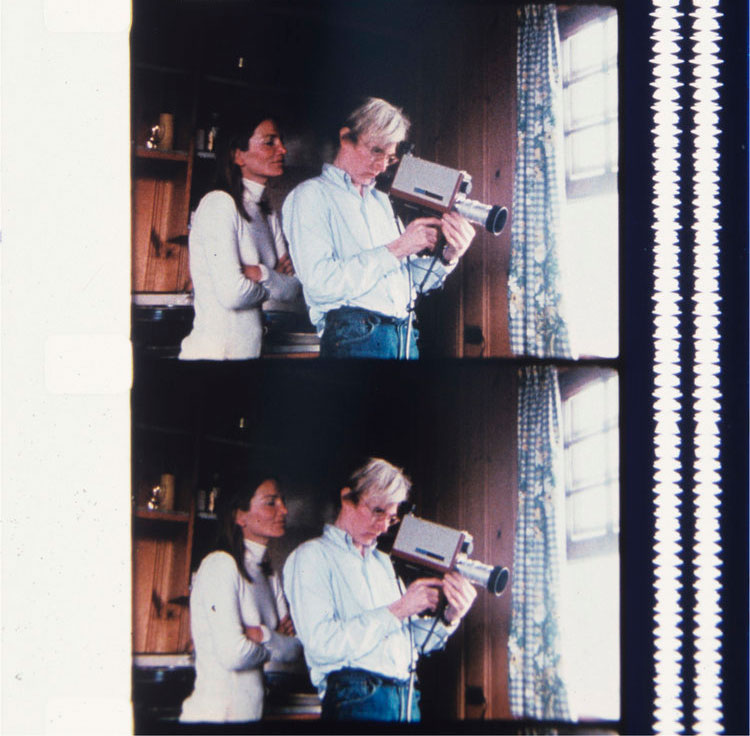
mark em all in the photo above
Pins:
pixel 359 695
pixel 351 332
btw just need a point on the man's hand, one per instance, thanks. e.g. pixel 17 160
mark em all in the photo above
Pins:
pixel 459 233
pixel 286 627
pixel 420 233
pixel 459 593
pixel 421 595
pixel 285 265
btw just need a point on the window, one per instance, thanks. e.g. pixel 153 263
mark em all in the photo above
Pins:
pixel 588 252
pixel 590 573
pixel 591 451
pixel 589 59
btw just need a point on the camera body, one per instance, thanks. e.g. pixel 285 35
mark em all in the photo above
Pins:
pixel 424 549
pixel 422 188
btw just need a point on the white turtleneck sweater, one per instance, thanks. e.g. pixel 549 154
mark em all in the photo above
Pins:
pixel 228 318
pixel 228 666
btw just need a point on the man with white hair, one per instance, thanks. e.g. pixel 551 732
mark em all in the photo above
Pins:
pixel 360 271
pixel 361 631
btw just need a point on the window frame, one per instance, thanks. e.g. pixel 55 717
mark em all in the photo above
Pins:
pixel 570 21
pixel 572 383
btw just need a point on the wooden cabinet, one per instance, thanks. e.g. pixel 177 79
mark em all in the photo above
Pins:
pixel 161 193
pixel 161 179
pixel 161 575
pixel 162 536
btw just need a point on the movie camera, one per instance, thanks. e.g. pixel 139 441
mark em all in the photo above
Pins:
pixel 421 188
pixel 424 548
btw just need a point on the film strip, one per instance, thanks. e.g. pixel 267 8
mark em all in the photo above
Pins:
pixel 688 488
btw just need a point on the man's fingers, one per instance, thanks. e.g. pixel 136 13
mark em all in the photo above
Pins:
pixel 431 221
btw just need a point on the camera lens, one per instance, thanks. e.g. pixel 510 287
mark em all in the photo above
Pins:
pixel 496 219
pixel 498 580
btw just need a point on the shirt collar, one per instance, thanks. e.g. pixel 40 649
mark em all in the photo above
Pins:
pixel 343 178
pixel 344 540
pixel 253 190
pixel 254 551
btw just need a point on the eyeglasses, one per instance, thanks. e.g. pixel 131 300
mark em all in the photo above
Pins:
pixel 381 514
pixel 377 154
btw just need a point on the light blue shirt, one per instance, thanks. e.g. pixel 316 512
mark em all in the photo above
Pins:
pixel 339 604
pixel 337 240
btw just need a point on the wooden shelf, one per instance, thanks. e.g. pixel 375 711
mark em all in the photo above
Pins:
pixel 156 154
pixel 182 517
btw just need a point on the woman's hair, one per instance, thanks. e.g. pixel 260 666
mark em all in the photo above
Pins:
pixel 234 135
pixel 379 480
pixel 378 118
pixel 238 498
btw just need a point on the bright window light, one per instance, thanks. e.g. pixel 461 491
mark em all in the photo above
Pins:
pixel 590 573
pixel 589 246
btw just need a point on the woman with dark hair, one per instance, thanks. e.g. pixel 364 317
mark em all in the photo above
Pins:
pixel 238 255
pixel 238 615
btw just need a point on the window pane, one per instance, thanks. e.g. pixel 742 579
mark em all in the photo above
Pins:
pixel 611 93
pixel 589 270
pixel 588 460
pixel 591 635
pixel 586 409
pixel 614 507
pixel 612 144
pixel 587 100
pixel 610 36
pixel 613 451
pixel 587 514
pixel 589 152
pixel 586 48
pixel 612 397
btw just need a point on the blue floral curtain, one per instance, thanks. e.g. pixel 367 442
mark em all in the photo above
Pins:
pixel 537 326
pixel 536 686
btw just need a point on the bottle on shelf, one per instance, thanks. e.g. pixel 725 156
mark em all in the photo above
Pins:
pixel 213 495
pixel 213 131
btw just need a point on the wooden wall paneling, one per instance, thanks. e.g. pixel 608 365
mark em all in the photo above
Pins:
pixel 473 486
pixel 475 84
pixel 449 133
pixel 502 478
pixel 472 489
pixel 436 134
pixel 500 34
pixel 472 149
pixel 437 500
